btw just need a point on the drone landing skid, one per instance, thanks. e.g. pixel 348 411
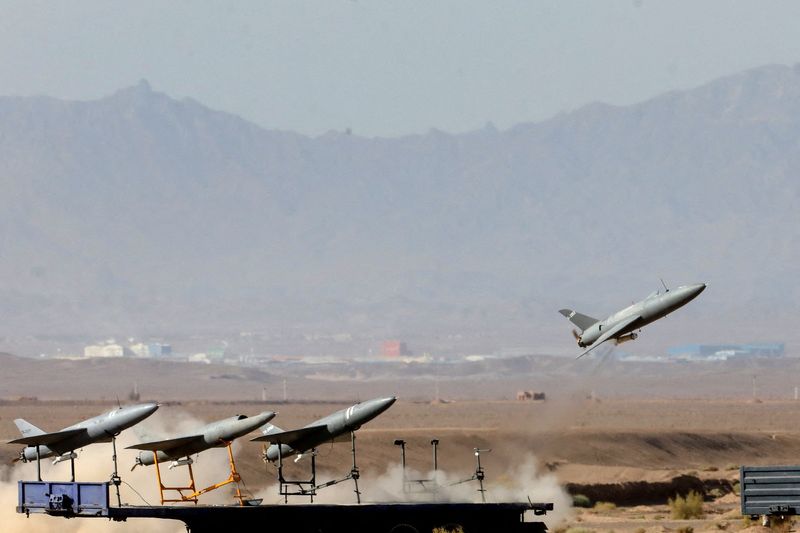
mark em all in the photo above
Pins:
pixel 309 487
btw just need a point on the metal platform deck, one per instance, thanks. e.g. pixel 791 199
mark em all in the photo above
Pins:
pixel 90 500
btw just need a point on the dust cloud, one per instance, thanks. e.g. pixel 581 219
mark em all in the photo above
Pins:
pixel 515 485
pixel 560 412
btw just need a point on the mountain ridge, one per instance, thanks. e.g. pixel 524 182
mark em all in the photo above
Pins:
pixel 139 211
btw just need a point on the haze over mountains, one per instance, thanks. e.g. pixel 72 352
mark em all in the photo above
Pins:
pixel 142 214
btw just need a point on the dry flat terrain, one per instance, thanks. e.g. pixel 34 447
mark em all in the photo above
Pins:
pixel 618 445
pixel 600 448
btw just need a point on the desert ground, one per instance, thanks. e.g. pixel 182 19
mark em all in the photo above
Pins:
pixel 626 454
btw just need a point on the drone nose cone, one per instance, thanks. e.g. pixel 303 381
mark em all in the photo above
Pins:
pixel 144 410
pixel 694 290
pixel 263 418
pixel 687 293
pixel 387 402
pixel 382 404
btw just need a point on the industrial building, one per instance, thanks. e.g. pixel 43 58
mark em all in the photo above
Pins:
pixel 104 350
pixel 726 351
pixel 153 349
pixel 395 348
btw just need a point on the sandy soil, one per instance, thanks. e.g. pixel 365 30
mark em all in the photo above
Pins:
pixel 603 445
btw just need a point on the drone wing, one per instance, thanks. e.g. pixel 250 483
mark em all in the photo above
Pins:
pixel 165 445
pixel 48 439
pixel 618 328
pixel 292 437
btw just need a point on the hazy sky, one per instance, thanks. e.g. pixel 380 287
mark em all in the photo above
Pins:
pixel 389 68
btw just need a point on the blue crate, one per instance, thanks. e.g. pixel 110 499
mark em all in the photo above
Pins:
pixel 62 498
pixel 770 490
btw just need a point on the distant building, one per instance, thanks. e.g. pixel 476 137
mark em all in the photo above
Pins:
pixel 726 351
pixel 153 349
pixel 216 354
pixel 394 348
pixel 199 358
pixel 529 395
pixel 104 350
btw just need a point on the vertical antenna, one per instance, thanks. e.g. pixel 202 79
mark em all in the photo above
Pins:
pixel 666 289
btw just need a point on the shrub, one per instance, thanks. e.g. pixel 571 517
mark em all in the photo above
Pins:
pixel 782 524
pixel 581 500
pixel 686 529
pixel 689 507
pixel 605 506
pixel 716 492
pixel 448 529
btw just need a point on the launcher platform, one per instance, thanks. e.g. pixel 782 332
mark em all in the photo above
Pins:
pixel 91 500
